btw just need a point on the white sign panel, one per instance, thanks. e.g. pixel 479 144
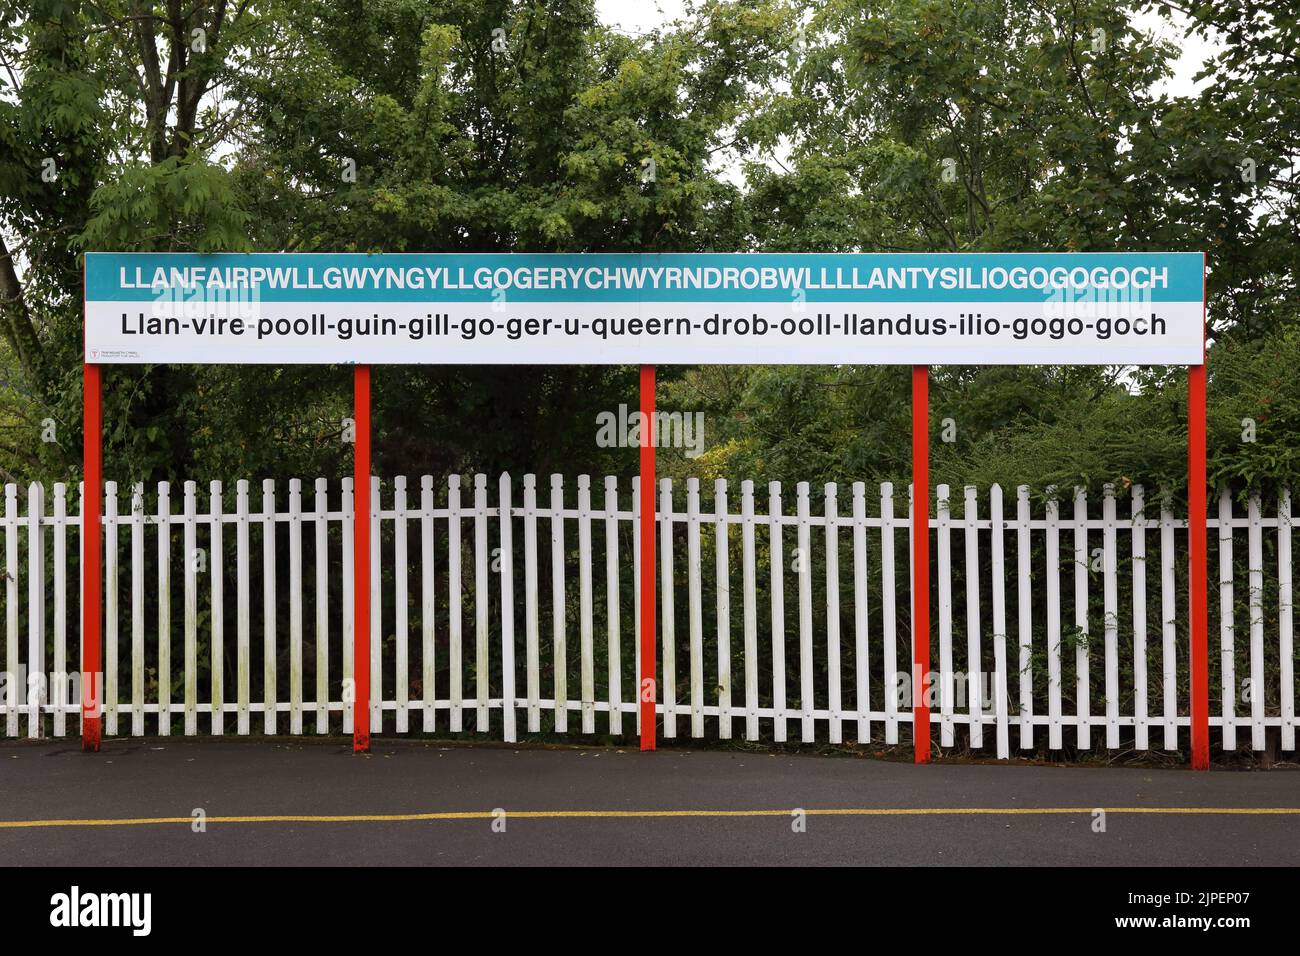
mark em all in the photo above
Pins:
pixel 770 309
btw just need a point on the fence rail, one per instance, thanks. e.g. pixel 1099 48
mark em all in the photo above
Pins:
pixel 1058 618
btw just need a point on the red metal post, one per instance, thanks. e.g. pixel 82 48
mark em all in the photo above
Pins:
pixel 920 561
pixel 1197 535
pixel 92 411
pixel 361 559
pixel 648 684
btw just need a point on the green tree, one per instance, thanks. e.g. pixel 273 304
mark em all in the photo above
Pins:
pixel 412 125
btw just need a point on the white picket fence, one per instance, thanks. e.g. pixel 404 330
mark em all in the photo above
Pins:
pixel 447 653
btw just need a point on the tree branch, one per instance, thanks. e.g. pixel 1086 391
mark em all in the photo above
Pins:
pixel 17 318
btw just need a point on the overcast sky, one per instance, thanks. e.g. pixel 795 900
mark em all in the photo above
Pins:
pixel 638 16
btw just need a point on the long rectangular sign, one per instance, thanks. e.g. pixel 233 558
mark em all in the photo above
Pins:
pixel 744 308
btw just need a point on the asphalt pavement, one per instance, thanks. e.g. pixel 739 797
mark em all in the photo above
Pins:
pixel 416 803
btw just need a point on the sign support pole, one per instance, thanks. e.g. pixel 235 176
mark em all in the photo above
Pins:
pixel 1197 535
pixel 361 559
pixel 920 561
pixel 647 683
pixel 92 586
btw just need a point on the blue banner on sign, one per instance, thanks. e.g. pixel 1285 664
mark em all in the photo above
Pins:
pixel 611 277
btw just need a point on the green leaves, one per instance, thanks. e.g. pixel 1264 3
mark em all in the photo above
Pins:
pixel 955 119
pixel 777 125
pixel 177 205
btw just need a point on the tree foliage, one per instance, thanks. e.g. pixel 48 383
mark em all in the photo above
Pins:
pixel 518 125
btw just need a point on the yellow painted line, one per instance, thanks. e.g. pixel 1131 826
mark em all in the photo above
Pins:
pixel 647 814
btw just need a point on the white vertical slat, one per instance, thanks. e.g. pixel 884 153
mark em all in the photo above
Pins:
pixel 1024 617
pixel 586 644
pixel 947 679
pixel 506 529
pixel 1168 597
pixel 268 607
pixel 110 605
pixel 723 598
pixel 612 602
pixel 1227 655
pixel 1110 605
pixel 1053 620
pixel 749 589
pixel 997 542
pixel 61 686
pixel 190 543
pixel 974 669
pixel 455 666
pixel 164 609
pixel 804 563
pixel 481 598
pixel 401 606
pixel 1255 552
pixel 1082 653
pixel 347 624
pixel 137 609
pixel 777 570
pixel 376 611
pixel 695 616
pixel 861 659
pixel 428 605
pixel 532 663
pixel 1285 620
pixel 833 613
pixel 295 606
pixel 559 641
pixel 12 704
pixel 11 609
pixel 37 679
pixel 1141 738
pixel 636 599
pixel 244 601
pixel 669 627
pixel 888 611
pixel 216 569
pixel 321 555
